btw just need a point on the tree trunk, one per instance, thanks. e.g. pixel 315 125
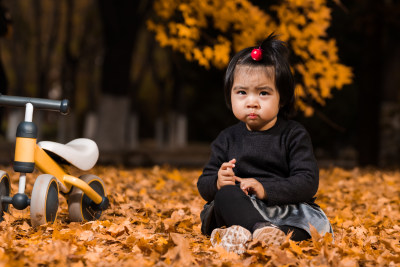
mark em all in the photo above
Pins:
pixel 119 32
pixel 121 23
pixel 43 56
pixel 74 56
pixel 178 120
pixel 370 87
pixel 17 50
pixel 67 124
pixel 390 113
pixel 37 11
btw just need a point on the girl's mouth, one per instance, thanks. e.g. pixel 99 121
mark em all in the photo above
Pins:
pixel 252 116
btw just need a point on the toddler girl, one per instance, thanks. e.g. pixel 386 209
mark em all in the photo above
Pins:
pixel 262 175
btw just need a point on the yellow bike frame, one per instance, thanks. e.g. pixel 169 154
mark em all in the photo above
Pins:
pixel 47 165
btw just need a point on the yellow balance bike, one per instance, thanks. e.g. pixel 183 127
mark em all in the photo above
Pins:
pixel 86 195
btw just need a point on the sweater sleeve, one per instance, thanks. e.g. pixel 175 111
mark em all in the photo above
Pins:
pixel 302 183
pixel 207 182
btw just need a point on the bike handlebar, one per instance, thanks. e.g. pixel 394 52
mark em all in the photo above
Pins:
pixel 39 103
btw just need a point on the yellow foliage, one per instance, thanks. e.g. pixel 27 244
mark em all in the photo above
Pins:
pixel 154 225
pixel 239 23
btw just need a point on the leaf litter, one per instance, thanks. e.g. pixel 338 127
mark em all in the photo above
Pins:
pixel 154 220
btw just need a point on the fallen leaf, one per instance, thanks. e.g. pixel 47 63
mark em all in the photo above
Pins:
pixel 148 225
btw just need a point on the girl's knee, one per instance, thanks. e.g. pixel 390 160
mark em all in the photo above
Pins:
pixel 227 194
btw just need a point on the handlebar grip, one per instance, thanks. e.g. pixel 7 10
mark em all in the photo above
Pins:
pixel 39 103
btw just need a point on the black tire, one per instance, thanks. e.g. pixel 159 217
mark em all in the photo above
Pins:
pixel 80 206
pixel 44 200
pixel 5 190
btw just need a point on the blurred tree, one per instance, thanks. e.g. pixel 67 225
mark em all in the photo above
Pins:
pixel 45 43
pixel 209 32
pixel 368 33
pixel 77 49
pixel 121 21
pixel 371 82
pixel 52 45
pixel 5 30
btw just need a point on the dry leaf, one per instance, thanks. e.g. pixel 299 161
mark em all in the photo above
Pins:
pixel 159 225
pixel 181 253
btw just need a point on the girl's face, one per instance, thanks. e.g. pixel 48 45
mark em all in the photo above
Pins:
pixel 255 99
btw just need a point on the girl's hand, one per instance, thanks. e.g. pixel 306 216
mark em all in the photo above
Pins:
pixel 226 176
pixel 252 186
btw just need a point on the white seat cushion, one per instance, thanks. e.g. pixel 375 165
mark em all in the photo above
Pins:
pixel 82 152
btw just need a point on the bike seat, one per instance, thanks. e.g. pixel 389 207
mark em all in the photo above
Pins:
pixel 82 152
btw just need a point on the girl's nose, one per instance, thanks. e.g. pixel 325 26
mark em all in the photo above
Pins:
pixel 252 103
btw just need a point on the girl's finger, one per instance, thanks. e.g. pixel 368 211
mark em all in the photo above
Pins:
pixel 227 172
pixel 228 175
pixel 245 190
pixel 224 166
pixel 231 173
pixel 227 165
pixel 227 179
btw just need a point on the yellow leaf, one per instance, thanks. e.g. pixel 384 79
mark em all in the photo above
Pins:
pixel 86 236
pixel 295 248
pixel 315 236
pixel 116 230
pixel 162 241
pixel 143 191
pixel 160 184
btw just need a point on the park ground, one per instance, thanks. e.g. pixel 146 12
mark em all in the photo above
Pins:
pixel 154 220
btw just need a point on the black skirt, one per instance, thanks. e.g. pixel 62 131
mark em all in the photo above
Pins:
pixel 299 215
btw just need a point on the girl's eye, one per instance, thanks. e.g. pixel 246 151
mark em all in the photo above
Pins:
pixel 263 93
pixel 241 92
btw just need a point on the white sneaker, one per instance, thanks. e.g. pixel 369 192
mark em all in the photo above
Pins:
pixel 271 235
pixel 232 239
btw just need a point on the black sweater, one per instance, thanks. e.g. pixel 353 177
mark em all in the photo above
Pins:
pixel 280 158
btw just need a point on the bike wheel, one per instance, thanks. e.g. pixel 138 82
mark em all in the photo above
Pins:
pixel 80 206
pixel 5 190
pixel 44 201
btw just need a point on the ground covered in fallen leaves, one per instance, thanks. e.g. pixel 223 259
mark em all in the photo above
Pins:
pixel 154 220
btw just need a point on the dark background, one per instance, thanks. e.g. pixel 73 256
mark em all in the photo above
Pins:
pixel 83 50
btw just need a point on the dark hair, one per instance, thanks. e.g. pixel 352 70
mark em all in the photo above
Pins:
pixel 274 54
